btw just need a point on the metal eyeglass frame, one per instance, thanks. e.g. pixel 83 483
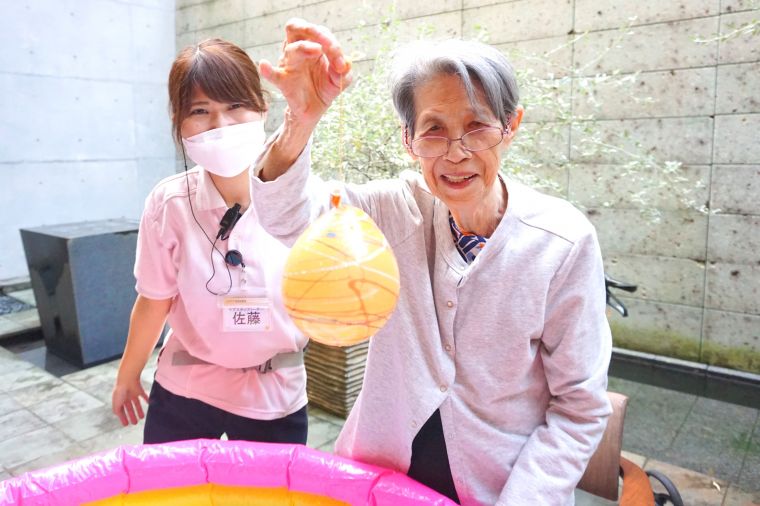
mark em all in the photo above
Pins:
pixel 410 145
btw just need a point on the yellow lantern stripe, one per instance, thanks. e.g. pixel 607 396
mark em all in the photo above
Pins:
pixel 211 494
pixel 346 262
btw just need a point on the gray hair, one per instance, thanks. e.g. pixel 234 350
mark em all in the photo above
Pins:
pixel 473 62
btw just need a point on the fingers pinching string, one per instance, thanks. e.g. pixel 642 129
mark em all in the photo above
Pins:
pixel 298 29
pixel 311 59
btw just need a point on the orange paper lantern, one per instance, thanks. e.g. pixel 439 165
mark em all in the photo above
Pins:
pixel 341 279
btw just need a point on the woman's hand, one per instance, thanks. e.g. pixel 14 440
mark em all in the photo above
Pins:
pixel 145 324
pixel 310 74
pixel 125 400
pixel 312 71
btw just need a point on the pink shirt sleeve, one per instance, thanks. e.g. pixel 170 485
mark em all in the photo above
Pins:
pixel 155 266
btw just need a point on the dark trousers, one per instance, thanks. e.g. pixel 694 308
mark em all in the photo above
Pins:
pixel 430 460
pixel 172 417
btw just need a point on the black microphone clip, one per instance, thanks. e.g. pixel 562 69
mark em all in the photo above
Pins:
pixel 228 222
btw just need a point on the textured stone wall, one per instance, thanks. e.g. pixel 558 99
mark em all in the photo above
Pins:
pixel 699 275
pixel 85 130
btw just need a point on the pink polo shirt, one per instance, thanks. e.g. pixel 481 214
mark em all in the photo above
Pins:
pixel 174 260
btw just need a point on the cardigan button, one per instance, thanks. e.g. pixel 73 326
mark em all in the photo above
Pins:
pixel 450 304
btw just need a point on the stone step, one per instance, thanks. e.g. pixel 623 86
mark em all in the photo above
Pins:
pixel 19 312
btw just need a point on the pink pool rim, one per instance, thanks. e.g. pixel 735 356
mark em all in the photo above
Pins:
pixel 132 469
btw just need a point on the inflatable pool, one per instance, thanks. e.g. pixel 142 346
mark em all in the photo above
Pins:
pixel 211 472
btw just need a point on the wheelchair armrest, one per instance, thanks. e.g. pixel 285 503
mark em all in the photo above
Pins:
pixel 637 491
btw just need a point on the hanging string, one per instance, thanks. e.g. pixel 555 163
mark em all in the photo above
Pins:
pixel 341 133
pixel 335 195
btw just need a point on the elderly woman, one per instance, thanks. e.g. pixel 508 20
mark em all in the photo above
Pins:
pixel 488 382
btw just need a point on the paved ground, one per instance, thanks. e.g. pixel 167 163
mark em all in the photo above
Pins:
pixel 51 412
pixel 45 420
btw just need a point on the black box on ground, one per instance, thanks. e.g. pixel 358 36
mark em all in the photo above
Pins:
pixel 81 274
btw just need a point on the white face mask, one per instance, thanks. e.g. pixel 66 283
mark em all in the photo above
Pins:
pixel 229 150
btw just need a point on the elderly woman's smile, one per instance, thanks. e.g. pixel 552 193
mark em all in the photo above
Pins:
pixel 458 181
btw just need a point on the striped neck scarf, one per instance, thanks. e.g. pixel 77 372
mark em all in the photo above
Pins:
pixel 468 245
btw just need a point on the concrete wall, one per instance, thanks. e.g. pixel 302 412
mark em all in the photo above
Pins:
pixel 85 129
pixel 699 275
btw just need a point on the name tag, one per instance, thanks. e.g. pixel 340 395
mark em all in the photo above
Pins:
pixel 246 314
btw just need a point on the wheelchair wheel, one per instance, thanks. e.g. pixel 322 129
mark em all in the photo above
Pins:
pixel 671 496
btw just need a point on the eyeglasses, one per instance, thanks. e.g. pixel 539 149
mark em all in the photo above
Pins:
pixel 477 140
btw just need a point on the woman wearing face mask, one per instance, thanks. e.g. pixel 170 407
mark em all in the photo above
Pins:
pixel 232 362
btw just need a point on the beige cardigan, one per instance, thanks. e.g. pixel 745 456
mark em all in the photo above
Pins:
pixel 513 349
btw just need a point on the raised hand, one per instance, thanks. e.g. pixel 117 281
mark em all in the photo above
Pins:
pixel 310 73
